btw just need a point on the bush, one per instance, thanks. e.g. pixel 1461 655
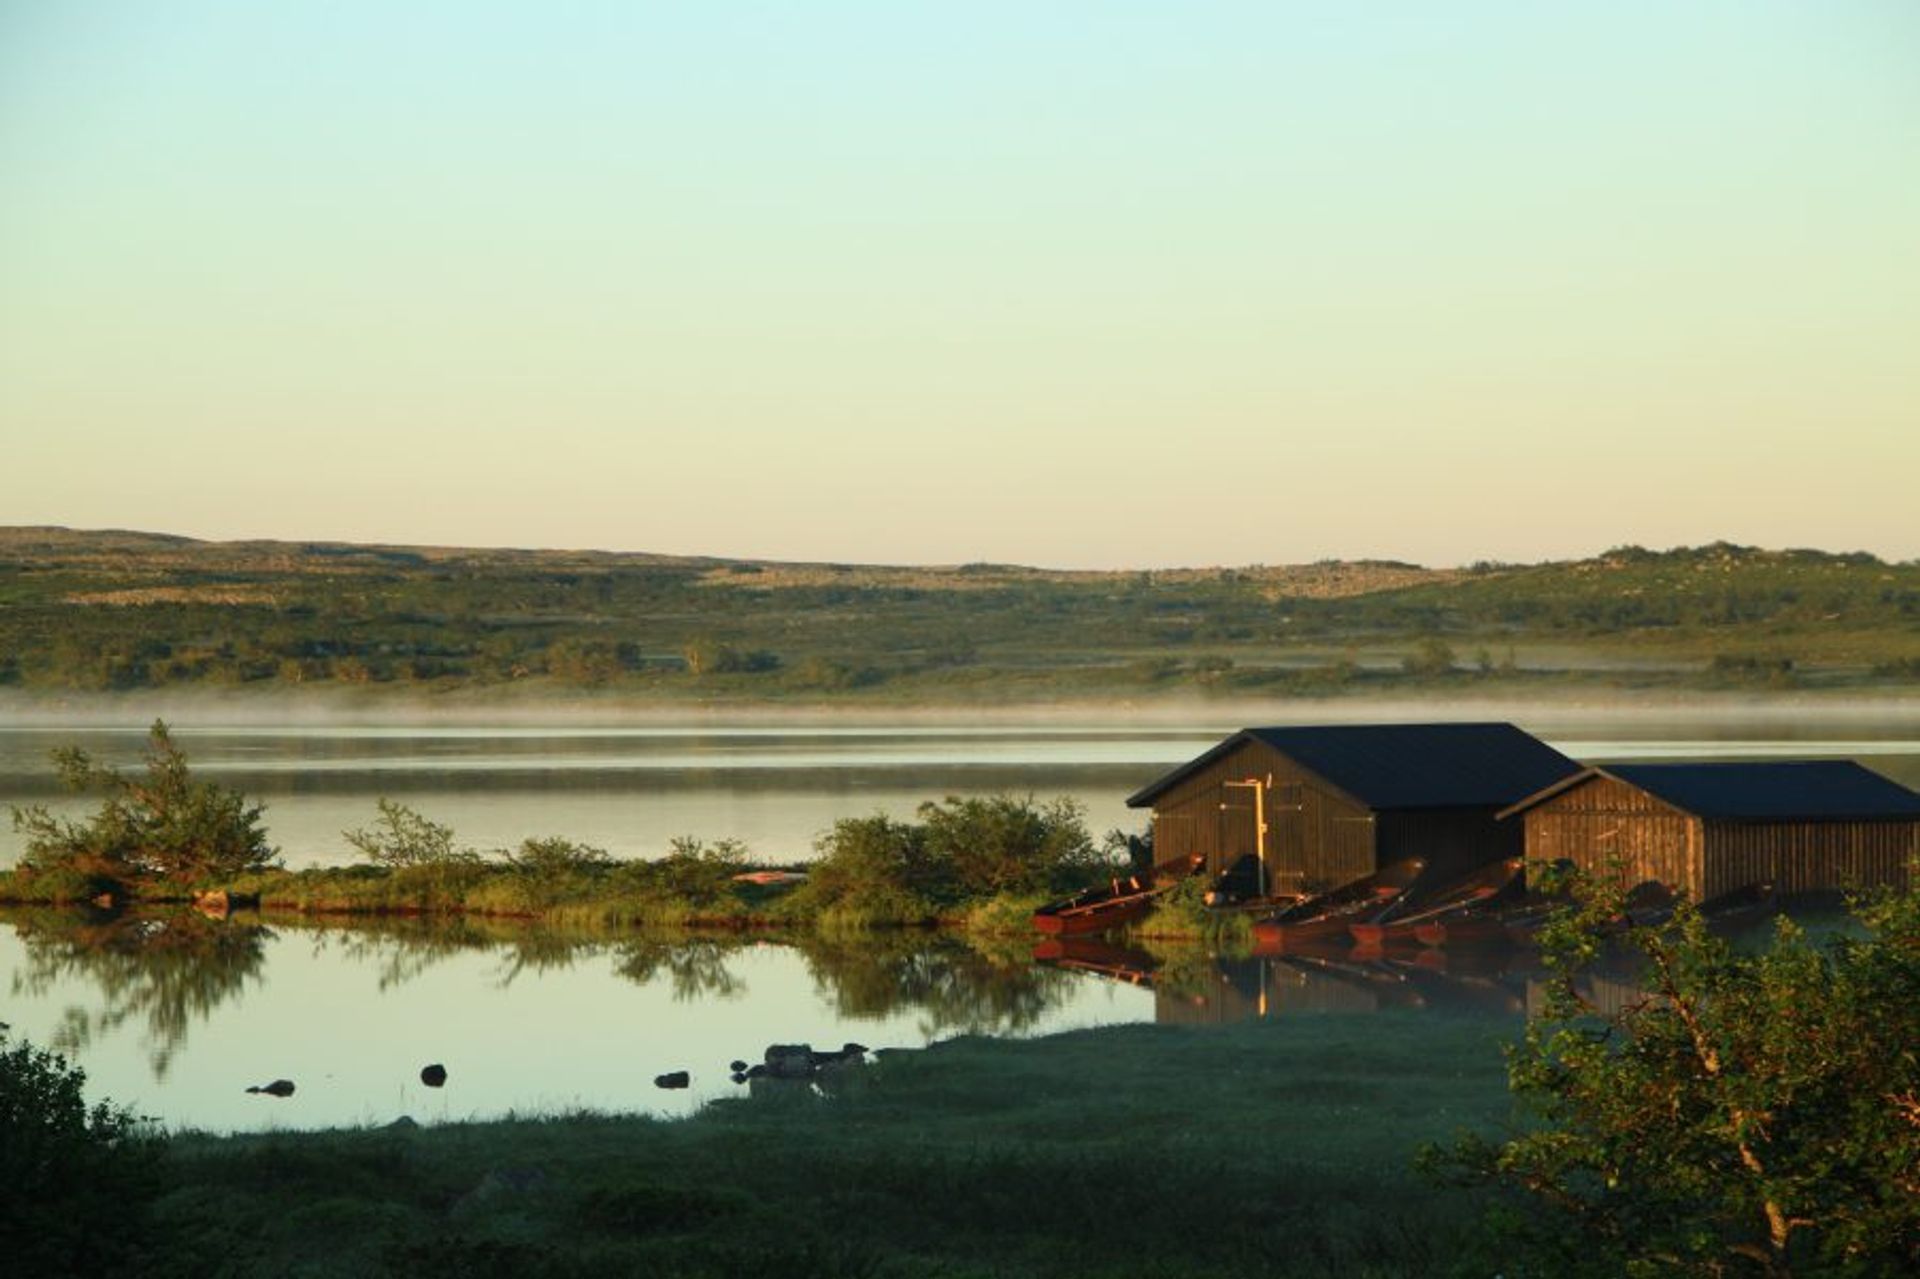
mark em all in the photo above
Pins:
pixel 403 838
pixel 961 851
pixel 1754 1112
pixel 164 826
pixel 79 1179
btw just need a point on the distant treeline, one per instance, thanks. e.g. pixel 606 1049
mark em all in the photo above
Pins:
pixel 129 612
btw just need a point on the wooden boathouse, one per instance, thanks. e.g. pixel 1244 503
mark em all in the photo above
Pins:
pixel 1709 829
pixel 1303 809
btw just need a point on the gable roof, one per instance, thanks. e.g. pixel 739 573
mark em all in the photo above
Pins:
pixel 1402 766
pixel 1771 790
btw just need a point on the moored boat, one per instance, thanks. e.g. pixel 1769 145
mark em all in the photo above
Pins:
pixel 1402 920
pixel 1119 902
pixel 1329 915
pixel 1098 909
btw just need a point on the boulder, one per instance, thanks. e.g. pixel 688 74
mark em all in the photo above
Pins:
pixel 433 1076
pixel 278 1088
pixel 672 1079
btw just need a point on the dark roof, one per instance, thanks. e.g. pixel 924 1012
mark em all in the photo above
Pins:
pixel 1773 790
pixel 1403 766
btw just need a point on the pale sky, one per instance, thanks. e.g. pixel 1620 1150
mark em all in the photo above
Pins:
pixel 1066 282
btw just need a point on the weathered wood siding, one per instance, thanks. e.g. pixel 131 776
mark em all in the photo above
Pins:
pixel 1315 838
pixel 1603 821
pixel 1801 857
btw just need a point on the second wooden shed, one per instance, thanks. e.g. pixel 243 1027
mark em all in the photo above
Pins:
pixel 1709 829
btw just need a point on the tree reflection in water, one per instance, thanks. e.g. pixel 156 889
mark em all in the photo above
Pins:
pixel 172 970
pixel 401 948
pixel 957 987
pixel 696 966
pixel 169 970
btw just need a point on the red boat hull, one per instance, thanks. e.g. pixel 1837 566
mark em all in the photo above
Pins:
pixel 1382 934
pixel 1096 918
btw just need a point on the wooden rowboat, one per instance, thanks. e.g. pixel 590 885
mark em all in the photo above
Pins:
pixel 1328 916
pixel 1098 909
pixel 1402 921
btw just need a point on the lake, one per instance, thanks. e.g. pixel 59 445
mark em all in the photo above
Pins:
pixel 175 1015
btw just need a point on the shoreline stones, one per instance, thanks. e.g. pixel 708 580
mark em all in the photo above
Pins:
pixel 798 1062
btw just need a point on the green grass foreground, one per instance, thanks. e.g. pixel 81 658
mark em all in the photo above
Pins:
pixel 1279 1148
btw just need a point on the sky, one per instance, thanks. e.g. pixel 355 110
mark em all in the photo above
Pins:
pixel 1082 283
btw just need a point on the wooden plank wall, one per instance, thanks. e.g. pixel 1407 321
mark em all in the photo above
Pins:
pixel 1603 820
pixel 1801 857
pixel 1315 838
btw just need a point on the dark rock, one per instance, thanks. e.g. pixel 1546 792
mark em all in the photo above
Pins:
pixel 739 1076
pixel 433 1076
pixel 789 1061
pixel 278 1088
pixel 672 1079
pixel 849 1052
pixel 736 1065
pixel 403 1124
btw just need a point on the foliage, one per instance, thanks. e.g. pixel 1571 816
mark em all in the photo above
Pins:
pixel 79 1179
pixel 695 872
pixel 1751 1112
pixel 166 825
pixel 404 838
pixel 553 857
pixel 961 850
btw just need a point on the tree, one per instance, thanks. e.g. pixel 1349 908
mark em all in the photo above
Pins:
pixel 1751 1113
pixel 164 825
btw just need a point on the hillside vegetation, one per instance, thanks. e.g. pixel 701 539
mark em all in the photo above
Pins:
pixel 126 611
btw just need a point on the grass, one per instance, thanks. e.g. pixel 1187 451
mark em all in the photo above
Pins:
pixel 1267 1148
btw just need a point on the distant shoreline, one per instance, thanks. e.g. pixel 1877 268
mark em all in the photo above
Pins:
pixel 21 710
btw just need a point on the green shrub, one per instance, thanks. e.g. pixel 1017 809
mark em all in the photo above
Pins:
pixel 403 838
pixel 78 1179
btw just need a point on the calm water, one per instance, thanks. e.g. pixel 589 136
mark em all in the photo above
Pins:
pixel 176 1015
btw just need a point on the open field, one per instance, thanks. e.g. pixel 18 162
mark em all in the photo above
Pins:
pixel 133 612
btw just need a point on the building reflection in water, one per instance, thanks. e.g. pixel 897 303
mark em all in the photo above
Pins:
pixel 1199 989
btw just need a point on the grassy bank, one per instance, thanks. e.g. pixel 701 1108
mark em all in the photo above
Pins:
pixel 1269 1148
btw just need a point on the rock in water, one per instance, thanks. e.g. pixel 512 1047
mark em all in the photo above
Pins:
pixel 433 1076
pixel 673 1079
pixel 278 1088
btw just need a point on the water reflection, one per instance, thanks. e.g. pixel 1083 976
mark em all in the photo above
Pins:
pixel 167 971
pixel 954 986
pixel 1199 988
pixel 532 1018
